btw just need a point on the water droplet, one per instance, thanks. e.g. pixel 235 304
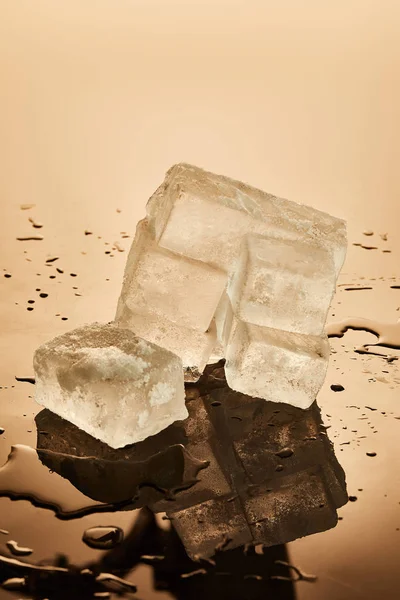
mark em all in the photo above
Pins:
pixel 388 334
pixel 354 289
pixel 35 224
pixel 284 453
pixel 14 583
pixel 26 379
pixel 193 573
pixel 17 550
pixel 365 247
pixel 337 387
pixel 103 537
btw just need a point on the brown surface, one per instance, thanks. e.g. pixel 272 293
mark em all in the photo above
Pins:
pixel 295 98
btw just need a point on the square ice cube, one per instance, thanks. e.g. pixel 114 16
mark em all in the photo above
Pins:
pixel 169 286
pixel 192 346
pixel 203 215
pixel 283 284
pixel 114 385
pixel 274 364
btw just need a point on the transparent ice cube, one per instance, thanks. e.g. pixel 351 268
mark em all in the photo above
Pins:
pixel 192 346
pixel 203 215
pixel 274 364
pixel 283 284
pixel 168 286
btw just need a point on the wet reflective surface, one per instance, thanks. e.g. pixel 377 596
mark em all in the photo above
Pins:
pixel 246 572
pixel 72 508
pixel 237 471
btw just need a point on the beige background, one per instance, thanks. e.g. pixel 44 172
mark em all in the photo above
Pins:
pixel 99 98
pixel 298 97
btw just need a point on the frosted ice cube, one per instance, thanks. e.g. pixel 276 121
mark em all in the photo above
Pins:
pixel 169 286
pixel 204 216
pixel 283 284
pixel 114 385
pixel 193 347
pixel 273 364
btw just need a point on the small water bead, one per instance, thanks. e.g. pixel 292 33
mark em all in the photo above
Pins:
pixel 17 550
pixel 284 453
pixel 103 537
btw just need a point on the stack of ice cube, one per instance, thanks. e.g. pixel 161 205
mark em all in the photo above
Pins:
pixel 221 269
pixel 217 269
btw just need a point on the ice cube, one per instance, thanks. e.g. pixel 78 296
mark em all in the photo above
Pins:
pixel 210 242
pixel 283 284
pixel 114 385
pixel 274 364
pixel 204 216
pixel 168 286
pixel 192 346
